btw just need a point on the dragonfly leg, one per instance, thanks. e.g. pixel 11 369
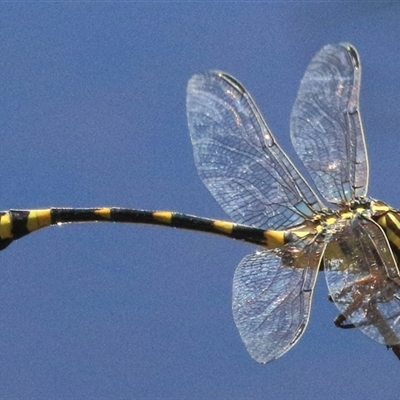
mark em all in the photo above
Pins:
pixel 341 318
pixel 339 322
pixel 395 349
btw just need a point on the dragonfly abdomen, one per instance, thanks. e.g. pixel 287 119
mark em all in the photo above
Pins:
pixel 15 224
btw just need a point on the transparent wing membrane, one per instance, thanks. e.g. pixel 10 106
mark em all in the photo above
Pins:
pixel 239 160
pixel 364 280
pixel 326 127
pixel 246 171
pixel 272 293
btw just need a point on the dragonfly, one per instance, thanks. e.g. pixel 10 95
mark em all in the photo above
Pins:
pixel 299 231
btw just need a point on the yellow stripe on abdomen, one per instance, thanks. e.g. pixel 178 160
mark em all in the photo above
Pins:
pixel 38 219
pixel 223 226
pixel 104 212
pixel 5 226
pixel 275 238
pixel 163 216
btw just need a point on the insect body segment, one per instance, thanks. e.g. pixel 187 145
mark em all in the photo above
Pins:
pixel 17 223
pixel 390 222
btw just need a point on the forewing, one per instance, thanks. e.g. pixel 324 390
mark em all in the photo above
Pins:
pixel 326 127
pixel 239 160
pixel 364 280
pixel 272 293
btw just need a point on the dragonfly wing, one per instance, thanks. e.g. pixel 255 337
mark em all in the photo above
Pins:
pixel 239 160
pixel 364 280
pixel 272 293
pixel 326 127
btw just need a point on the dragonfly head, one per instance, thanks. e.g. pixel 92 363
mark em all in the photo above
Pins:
pixel 360 204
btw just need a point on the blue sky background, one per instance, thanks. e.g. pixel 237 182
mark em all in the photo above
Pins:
pixel 92 113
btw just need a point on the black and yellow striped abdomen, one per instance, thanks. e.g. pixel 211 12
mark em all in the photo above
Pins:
pixel 17 223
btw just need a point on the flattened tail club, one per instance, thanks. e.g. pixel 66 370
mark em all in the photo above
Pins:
pixel 15 224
